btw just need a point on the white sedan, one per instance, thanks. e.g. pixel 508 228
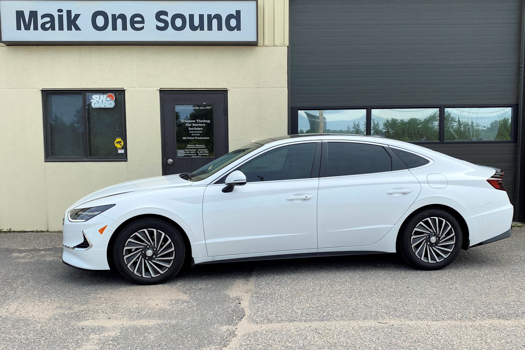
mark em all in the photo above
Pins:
pixel 293 196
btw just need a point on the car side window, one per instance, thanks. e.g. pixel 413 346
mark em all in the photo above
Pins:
pixel 410 160
pixel 283 163
pixel 350 158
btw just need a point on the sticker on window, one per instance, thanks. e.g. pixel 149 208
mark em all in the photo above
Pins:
pixel 119 143
pixel 103 101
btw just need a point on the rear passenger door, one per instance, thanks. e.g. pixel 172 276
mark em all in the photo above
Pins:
pixel 363 191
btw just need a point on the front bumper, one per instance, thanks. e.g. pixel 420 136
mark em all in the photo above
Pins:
pixel 84 246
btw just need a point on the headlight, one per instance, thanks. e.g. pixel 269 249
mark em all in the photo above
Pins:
pixel 85 214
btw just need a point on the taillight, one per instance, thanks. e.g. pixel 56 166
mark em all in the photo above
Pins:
pixel 496 183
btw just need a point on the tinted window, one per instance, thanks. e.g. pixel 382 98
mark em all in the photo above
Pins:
pixel 65 129
pixel 338 121
pixel 105 125
pixel 412 125
pixel 84 125
pixel 478 124
pixel 410 160
pixel 345 158
pixel 284 163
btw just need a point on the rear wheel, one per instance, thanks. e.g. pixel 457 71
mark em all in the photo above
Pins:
pixel 149 251
pixel 431 240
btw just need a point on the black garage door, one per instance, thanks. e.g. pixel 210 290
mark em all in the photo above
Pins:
pixel 381 56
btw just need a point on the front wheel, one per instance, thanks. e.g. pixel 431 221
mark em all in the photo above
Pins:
pixel 149 251
pixel 431 240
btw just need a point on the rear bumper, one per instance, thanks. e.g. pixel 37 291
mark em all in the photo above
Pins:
pixel 489 221
pixel 504 235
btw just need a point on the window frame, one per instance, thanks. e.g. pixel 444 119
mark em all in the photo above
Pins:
pixel 85 141
pixel 293 125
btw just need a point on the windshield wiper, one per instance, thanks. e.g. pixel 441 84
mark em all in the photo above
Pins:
pixel 185 176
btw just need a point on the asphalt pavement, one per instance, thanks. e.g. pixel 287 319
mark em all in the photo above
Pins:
pixel 357 302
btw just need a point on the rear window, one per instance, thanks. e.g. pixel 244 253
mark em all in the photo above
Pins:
pixel 410 160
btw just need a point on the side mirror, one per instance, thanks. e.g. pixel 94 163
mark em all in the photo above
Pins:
pixel 236 178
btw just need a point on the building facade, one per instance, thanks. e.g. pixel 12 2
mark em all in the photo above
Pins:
pixel 81 112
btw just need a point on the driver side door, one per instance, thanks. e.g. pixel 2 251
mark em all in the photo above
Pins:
pixel 275 211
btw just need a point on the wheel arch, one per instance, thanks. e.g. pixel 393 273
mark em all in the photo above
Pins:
pixel 464 227
pixel 187 244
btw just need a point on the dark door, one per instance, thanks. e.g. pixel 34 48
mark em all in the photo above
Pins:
pixel 194 129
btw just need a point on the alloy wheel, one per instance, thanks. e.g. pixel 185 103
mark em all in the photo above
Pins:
pixel 149 253
pixel 433 239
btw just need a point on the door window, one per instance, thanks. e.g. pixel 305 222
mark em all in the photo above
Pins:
pixel 284 163
pixel 348 158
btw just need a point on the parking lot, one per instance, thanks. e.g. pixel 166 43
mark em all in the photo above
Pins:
pixel 358 302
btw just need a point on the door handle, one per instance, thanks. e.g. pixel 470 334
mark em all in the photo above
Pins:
pixel 399 191
pixel 169 161
pixel 300 197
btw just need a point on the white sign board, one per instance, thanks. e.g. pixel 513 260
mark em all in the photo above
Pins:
pixel 128 22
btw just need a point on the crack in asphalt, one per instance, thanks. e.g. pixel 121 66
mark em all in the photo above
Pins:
pixel 242 291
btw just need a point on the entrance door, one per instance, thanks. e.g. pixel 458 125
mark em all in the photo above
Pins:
pixel 194 129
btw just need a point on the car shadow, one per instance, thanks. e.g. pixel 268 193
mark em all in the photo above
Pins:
pixel 472 259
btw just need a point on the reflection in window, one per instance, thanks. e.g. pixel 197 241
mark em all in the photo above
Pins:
pixel 412 125
pixel 346 121
pixel 478 124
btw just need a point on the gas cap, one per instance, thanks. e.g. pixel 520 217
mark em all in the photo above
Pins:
pixel 437 181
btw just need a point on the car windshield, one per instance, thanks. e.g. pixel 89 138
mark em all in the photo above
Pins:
pixel 219 163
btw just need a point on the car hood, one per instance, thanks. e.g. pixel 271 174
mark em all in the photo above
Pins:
pixel 152 183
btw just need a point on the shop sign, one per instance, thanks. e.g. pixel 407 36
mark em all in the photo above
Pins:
pixel 128 22
pixel 195 138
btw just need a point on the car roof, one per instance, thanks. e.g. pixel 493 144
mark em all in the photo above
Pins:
pixel 320 136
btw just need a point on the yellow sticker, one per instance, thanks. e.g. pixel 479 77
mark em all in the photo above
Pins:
pixel 119 143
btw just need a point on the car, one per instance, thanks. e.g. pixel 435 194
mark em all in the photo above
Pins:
pixel 292 196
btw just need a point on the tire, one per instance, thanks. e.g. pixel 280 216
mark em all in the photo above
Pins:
pixel 430 240
pixel 149 251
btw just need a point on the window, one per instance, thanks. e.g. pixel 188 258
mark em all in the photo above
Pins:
pixel 341 121
pixel 410 160
pixel 411 125
pixel 284 163
pixel 219 163
pixel 349 158
pixel 84 126
pixel 422 124
pixel 478 124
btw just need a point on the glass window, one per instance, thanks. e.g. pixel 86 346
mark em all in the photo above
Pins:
pixel 85 125
pixel 412 124
pixel 349 158
pixel 65 125
pixel 339 121
pixel 219 163
pixel 478 124
pixel 105 125
pixel 284 163
pixel 195 137
pixel 410 160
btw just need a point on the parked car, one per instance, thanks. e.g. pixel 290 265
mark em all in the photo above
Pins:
pixel 292 196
